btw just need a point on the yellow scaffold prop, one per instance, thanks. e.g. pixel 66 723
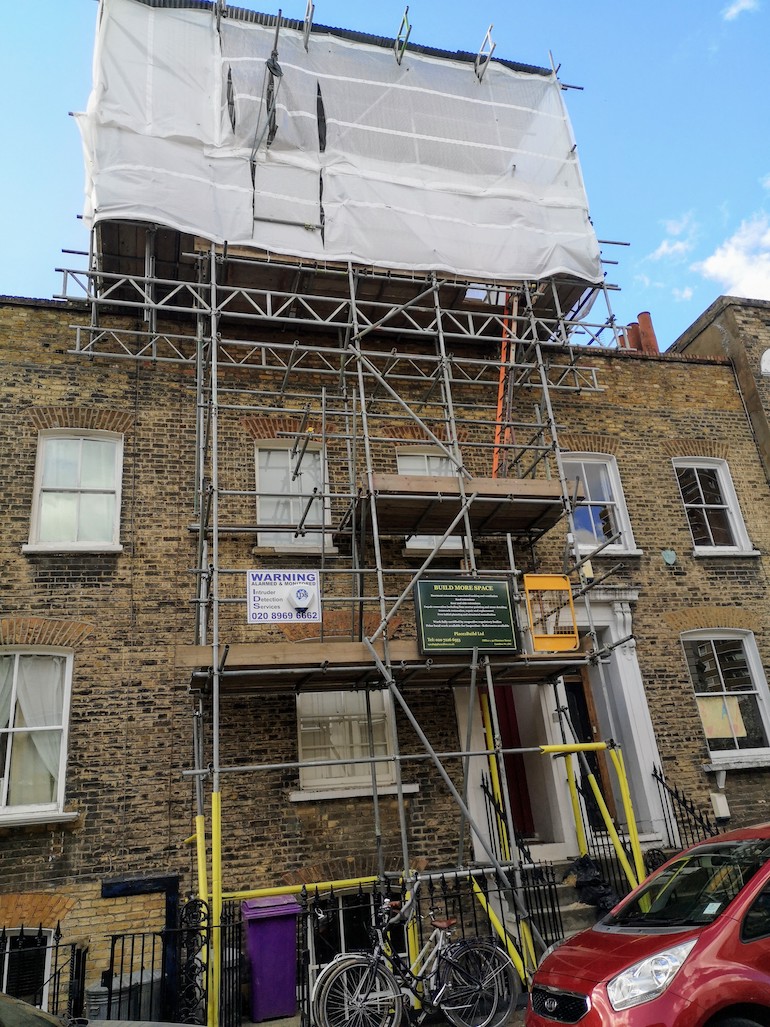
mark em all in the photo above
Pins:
pixel 523 955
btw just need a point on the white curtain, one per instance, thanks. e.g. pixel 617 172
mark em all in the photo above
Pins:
pixel 35 753
pixel 6 689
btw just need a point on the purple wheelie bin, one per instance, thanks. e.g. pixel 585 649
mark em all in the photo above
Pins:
pixel 271 946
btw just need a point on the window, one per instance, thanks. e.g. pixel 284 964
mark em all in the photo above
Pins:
pixel 602 513
pixel 421 463
pixel 25 965
pixel 290 492
pixel 34 710
pixel 77 492
pixel 342 922
pixel 711 505
pixel 333 726
pixel 730 690
pixel 756 923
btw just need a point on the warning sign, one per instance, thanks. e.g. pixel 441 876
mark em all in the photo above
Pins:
pixel 282 596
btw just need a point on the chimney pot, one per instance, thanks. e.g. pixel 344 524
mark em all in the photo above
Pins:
pixel 634 338
pixel 649 342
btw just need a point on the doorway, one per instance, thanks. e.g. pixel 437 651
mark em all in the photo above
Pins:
pixel 515 770
pixel 584 721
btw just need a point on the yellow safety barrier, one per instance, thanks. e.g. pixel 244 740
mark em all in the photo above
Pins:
pixel 494 777
pixel 575 801
pixel 215 916
pixel 513 952
pixel 633 833
pixel 567 750
pixel 525 960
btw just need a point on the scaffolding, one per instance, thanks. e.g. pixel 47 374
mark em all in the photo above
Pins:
pixel 380 361
pixel 348 368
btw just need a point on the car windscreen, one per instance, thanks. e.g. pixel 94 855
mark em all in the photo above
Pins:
pixel 694 889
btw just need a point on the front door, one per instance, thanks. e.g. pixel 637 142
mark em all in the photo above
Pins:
pixel 585 725
pixel 515 771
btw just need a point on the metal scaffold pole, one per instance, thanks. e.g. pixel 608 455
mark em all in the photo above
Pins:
pixel 215 919
pixel 380 361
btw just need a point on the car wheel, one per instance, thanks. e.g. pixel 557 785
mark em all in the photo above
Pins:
pixel 737 1021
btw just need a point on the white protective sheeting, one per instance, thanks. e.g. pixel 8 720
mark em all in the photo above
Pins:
pixel 423 167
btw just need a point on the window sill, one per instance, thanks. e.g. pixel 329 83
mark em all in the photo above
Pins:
pixel 30 819
pixel 757 762
pixel 610 551
pixel 308 795
pixel 723 551
pixel 440 554
pixel 294 550
pixel 64 549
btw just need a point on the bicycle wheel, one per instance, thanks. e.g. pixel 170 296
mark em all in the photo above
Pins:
pixel 479 984
pixel 323 974
pixel 358 992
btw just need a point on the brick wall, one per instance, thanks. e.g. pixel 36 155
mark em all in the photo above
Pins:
pixel 122 614
pixel 652 410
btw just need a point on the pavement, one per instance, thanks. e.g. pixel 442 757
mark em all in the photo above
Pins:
pixel 516 1020
pixel 518 1016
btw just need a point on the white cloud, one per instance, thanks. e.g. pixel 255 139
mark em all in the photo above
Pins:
pixel 738 7
pixel 741 264
pixel 682 295
pixel 669 248
pixel 679 225
pixel 680 238
pixel 765 182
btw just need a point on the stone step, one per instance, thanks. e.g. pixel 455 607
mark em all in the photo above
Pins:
pixel 577 916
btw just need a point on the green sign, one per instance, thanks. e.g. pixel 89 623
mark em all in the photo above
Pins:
pixel 464 614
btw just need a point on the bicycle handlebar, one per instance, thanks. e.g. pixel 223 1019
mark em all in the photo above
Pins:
pixel 404 912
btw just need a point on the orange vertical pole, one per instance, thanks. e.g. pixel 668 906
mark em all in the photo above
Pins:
pixel 501 433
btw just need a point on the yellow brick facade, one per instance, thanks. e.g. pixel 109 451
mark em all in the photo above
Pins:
pixel 122 615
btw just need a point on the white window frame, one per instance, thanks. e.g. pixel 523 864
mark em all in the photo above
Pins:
pixel 760 690
pixel 452 544
pixel 742 542
pixel 74 546
pixel 36 812
pixel 353 776
pixel 315 541
pixel 15 932
pixel 344 905
pixel 626 543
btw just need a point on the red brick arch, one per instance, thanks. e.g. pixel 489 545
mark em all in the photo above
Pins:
pixel 81 417
pixel 704 617
pixel 19 630
pixel 34 909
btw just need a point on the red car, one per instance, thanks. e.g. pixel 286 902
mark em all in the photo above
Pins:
pixel 690 947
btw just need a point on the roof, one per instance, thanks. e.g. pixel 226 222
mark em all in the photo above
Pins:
pixel 258 18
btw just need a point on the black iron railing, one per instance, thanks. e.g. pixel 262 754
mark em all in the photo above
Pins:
pixel 162 975
pixel 685 823
pixel 537 881
pixel 332 921
pixel 540 895
pixel 497 828
pixel 38 967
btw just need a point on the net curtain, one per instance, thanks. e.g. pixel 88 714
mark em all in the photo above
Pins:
pixel 31 709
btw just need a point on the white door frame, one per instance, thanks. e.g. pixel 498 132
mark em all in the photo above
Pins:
pixel 624 716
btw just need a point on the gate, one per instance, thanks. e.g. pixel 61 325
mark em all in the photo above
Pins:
pixel 163 975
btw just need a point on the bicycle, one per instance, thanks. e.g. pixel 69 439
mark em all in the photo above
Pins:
pixel 471 981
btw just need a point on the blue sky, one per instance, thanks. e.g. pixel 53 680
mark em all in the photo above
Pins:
pixel 671 122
